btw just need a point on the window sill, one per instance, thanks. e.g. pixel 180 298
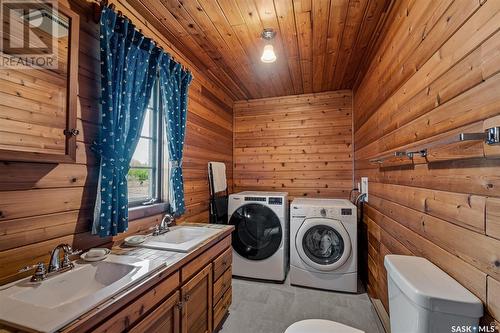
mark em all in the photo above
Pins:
pixel 140 212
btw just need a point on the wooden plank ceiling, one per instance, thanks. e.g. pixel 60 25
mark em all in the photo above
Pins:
pixel 321 45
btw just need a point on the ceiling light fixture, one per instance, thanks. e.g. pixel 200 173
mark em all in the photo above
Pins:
pixel 268 55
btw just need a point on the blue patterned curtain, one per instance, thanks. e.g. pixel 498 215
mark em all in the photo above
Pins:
pixel 174 84
pixel 129 63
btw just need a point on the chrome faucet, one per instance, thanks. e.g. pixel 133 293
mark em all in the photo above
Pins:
pixel 165 224
pixel 55 264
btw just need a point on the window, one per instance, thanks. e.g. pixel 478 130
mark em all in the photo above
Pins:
pixel 147 170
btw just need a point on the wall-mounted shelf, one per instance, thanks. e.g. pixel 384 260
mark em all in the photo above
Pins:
pixel 430 151
pixel 398 156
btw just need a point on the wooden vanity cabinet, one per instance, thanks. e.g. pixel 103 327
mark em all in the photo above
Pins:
pixel 131 312
pixel 196 295
pixel 191 297
pixel 164 319
pixel 193 308
pixel 188 310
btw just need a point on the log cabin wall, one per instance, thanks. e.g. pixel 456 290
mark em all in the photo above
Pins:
pixel 435 73
pixel 299 144
pixel 43 205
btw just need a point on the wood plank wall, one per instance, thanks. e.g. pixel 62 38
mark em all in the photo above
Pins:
pixel 300 144
pixel 42 205
pixel 436 71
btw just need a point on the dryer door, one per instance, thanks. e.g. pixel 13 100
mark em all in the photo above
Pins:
pixel 258 232
pixel 323 243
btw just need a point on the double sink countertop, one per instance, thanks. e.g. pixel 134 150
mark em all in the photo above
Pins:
pixel 132 270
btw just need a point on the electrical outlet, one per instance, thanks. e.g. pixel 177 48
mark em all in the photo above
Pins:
pixel 364 188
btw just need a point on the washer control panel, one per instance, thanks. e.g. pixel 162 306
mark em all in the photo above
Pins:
pixel 260 199
pixel 275 201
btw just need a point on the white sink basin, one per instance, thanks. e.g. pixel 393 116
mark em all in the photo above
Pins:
pixel 180 239
pixel 76 284
pixel 52 303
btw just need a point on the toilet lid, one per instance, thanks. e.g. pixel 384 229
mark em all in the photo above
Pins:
pixel 320 326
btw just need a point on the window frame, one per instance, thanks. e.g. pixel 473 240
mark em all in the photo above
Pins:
pixel 159 149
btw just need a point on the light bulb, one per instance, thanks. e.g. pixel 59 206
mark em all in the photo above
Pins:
pixel 268 55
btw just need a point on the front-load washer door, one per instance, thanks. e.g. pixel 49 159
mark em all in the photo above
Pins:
pixel 258 233
pixel 323 243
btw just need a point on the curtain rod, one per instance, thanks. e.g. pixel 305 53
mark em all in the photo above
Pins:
pixel 105 3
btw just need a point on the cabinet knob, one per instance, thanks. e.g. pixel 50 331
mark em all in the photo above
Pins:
pixel 187 298
pixel 71 132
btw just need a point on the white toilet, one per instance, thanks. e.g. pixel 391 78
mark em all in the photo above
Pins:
pixel 320 326
pixel 422 299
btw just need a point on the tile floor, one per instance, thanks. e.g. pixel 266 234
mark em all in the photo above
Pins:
pixel 270 308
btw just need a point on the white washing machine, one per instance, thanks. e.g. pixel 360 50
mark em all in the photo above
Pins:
pixel 260 239
pixel 323 244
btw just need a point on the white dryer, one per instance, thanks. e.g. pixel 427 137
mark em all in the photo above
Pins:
pixel 323 244
pixel 260 239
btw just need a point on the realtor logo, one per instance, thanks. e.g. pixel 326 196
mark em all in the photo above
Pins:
pixel 30 30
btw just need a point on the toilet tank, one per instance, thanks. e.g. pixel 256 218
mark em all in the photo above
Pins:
pixel 424 299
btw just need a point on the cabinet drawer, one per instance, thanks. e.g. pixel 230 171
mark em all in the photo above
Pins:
pixel 132 312
pixel 222 307
pixel 222 263
pixel 222 284
pixel 199 262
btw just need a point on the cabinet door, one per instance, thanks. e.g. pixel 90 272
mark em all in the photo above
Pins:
pixel 38 104
pixel 196 297
pixel 164 319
